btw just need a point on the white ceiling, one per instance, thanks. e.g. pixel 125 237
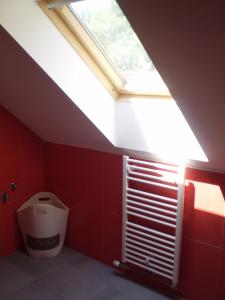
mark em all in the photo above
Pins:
pixel 181 41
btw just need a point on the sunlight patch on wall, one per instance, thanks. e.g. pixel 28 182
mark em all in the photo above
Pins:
pixel 167 133
pixel 209 198
pixel 157 127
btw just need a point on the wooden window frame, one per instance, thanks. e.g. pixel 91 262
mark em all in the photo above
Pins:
pixel 73 31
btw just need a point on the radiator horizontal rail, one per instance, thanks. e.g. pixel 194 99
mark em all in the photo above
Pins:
pixel 167 199
pixel 170 266
pixel 154 266
pixel 151 201
pixel 151 219
pixel 151 177
pixel 154 171
pixel 168 236
pixel 152 207
pixel 151 236
pixel 151 213
pixel 130 235
pixel 148 268
pixel 150 253
pixel 166 186
pixel 169 254
pixel 156 165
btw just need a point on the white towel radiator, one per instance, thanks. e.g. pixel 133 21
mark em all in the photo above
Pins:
pixel 152 221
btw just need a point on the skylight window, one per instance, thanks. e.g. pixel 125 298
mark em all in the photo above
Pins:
pixel 111 32
pixel 101 34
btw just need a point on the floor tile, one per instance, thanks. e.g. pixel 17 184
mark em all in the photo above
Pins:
pixel 38 267
pixel 70 283
pixel 12 278
pixel 34 291
pixel 115 281
pixel 68 276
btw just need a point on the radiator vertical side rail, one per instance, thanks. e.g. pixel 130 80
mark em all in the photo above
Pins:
pixel 178 234
pixel 124 214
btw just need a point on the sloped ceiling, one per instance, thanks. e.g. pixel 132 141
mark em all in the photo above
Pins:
pixel 30 95
pixel 186 41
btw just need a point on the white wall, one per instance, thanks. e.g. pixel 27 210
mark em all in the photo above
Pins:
pixel 31 28
pixel 157 127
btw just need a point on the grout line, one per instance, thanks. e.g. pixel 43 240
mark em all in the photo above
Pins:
pixel 204 243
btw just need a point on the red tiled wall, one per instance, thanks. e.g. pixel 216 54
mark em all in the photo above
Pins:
pixel 203 250
pixel 90 183
pixel 21 161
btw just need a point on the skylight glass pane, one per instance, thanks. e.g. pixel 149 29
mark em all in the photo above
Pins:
pixel 107 25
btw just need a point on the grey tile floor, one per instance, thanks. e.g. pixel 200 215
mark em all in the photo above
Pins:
pixel 68 276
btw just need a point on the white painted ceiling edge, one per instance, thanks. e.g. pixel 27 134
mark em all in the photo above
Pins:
pixel 28 25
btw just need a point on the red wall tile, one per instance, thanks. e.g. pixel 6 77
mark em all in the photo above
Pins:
pixel 21 161
pixel 112 182
pixel 204 212
pixel 90 183
pixel 112 237
pixel 221 279
pixel 200 266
